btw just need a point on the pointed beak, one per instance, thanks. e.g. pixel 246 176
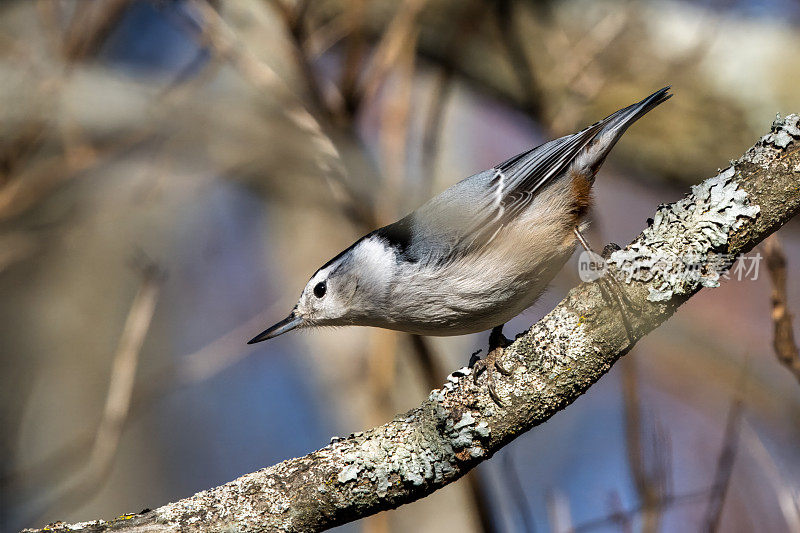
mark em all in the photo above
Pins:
pixel 287 324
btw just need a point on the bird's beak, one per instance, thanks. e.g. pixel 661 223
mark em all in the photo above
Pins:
pixel 287 324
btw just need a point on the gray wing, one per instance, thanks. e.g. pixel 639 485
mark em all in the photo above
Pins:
pixel 516 182
pixel 470 213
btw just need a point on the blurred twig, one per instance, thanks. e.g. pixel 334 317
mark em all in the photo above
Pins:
pixel 783 335
pixel 355 49
pixel 90 25
pixel 181 372
pixel 395 123
pixel 622 520
pixel 16 152
pixel 434 123
pixel 123 371
pixel 650 478
pixel 519 499
pixel 118 400
pixel 321 38
pixel 16 246
pixel 433 372
pixel 577 76
pixel 294 21
pixel 786 494
pixel 434 119
pixel 725 462
pixel 222 40
pixel 521 62
pixel 558 513
pixel 395 39
pixel 627 516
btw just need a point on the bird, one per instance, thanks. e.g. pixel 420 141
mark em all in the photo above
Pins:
pixel 475 256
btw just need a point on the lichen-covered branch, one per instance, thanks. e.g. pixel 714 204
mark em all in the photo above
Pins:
pixel 559 358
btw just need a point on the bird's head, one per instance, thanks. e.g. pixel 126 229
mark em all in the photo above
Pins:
pixel 345 291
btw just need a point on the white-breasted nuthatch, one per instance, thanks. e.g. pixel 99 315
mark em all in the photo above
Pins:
pixel 476 255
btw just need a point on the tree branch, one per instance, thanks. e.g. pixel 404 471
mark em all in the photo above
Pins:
pixel 783 342
pixel 560 357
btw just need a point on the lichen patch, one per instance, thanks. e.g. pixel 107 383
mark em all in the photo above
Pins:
pixel 417 454
pixel 679 251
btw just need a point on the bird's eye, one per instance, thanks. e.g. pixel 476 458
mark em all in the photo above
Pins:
pixel 319 289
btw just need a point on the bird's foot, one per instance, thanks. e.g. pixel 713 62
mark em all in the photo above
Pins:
pixel 611 288
pixel 491 363
pixel 609 249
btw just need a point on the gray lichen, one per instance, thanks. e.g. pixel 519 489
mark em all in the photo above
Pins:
pixel 86 525
pixel 415 454
pixel 438 395
pixel 771 145
pixel 678 251
pixel 784 131
pixel 349 473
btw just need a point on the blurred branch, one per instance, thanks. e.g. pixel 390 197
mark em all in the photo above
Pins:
pixel 626 517
pixel 518 497
pixel 355 49
pixel 16 152
pixel 459 426
pixel 621 519
pixel 181 372
pixel 118 400
pixel 786 494
pixel 725 461
pixel 576 74
pixel 123 371
pixel 434 120
pixel 223 42
pixel 648 479
pixel 783 335
pixel 16 246
pixel 558 513
pixel 432 373
pixel 434 125
pixel 395 122
pixel 89 27
pixel 521 61
pixel 402 29
pixel 321 38
pixel 294 20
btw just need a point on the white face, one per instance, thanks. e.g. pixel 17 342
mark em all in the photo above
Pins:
pixel 324 299
pixel 346 292
pixel 341 292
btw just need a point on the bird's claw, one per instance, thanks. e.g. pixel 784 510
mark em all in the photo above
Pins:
pixel 491 364
pixel 474 358
pixel 610 286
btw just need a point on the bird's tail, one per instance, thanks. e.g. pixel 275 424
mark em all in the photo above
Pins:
pixel 618 122
pixel 611 128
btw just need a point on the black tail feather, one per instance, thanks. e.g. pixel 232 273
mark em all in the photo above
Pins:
pixel 622 119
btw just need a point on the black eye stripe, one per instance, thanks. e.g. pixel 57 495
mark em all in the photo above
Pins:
pixel 319 289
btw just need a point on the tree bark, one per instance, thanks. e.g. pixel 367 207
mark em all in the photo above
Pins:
pixel 554 362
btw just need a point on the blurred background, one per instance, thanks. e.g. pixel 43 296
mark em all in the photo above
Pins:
pixel 172 172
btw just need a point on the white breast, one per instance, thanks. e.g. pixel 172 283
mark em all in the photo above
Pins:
pixel 489 287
